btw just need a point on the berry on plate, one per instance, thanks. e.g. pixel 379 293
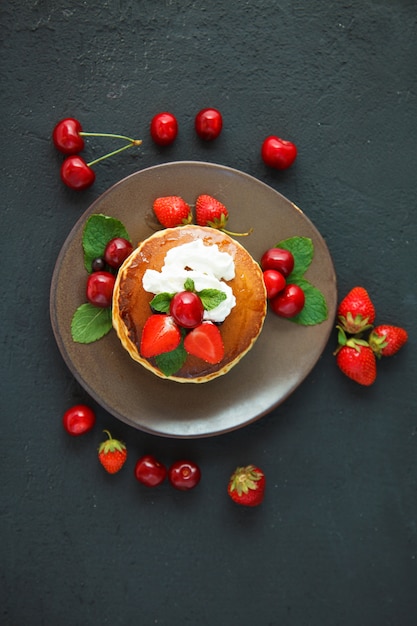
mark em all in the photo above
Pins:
pixel 112 454
pixel 211 212
pixel 289 302
pixel 205 342
pixel 274 283
pixel 247 486
pixel 278 259
pixel 99 289
pixel 160 334
pixel 172 211
pixel 116 251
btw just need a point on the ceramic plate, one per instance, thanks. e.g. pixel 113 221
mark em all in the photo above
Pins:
pixel 283 355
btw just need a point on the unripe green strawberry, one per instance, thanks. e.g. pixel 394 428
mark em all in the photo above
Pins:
pixel 112 454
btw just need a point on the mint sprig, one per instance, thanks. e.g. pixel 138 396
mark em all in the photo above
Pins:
pixel 90 323
pixel 315 309
pixel 210 298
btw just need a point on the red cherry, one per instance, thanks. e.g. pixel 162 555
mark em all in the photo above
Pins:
pixel 208 124
pixel 274 283
pixel 278 153
pixel 100 289
pixel 76 173
pixel 164 128
pixel 289 302
pixel 79 419
pixel 149 471
pixel 184 475
pixel 117 250
pixel 278 259
pixel 187 309
pixel 66 136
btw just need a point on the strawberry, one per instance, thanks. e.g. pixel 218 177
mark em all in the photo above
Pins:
pixel 386 340
pixel 247 486
pixel 160 334
pixel 205 342
pixel 356 311
pixel 357 361
pixel 112 454
pixel 211 212
pixel 172 211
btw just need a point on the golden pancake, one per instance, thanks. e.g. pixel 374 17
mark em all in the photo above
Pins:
pixel 240 329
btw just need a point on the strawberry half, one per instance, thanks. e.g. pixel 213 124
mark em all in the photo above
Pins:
pixel 205 342
pixel 356 311
pixel 160 334
pixel 358 362
pixel 386 340
pixel 211 212
pixel 247 486
pixel 112 454
pixel 172 211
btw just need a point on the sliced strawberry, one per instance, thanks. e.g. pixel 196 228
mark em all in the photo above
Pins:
pixel 205 342
pixel 172 211
pixel 160 334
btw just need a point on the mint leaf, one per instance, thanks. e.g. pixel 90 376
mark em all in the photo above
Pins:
pixel 189 285
pixel 90 323
pixel 315 308
pixel 171 362
pixel 98 231
pixel 161 302
pixel 302 250
pixel 211 298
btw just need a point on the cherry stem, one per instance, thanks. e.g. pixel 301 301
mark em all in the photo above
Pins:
pixel 232 234
pixel 129 139
pixel 134 142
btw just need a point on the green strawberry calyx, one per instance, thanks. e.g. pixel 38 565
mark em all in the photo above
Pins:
pixel 111 445
pixel 354 324
pixel 377 343
pixel 352 342
pixel 245 479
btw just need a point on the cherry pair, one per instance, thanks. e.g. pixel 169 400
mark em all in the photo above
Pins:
pixel 68 138
pixel 208 125
pixel 182 475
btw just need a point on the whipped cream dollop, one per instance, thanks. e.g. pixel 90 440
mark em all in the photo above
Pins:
pixel 207 266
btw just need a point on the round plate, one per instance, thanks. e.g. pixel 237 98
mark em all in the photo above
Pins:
pixel 283 355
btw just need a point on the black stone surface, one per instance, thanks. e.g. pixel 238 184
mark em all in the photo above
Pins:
pixel 334 543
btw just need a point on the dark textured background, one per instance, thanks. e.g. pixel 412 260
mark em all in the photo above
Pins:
pixel 335 541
